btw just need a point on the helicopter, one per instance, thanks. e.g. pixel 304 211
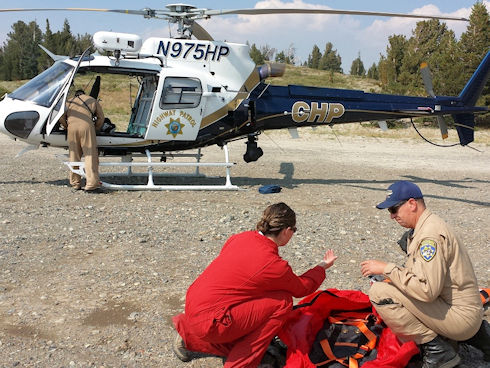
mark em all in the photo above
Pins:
pixel 194 93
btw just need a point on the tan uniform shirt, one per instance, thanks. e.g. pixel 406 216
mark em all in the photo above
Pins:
pixel 438 266
pixel 78 112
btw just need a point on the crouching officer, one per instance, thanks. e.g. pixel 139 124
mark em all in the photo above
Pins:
pixel 82 118
pixel 435 296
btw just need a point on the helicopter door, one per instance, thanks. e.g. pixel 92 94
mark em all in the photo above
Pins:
pixel 178 112
pixel 58 107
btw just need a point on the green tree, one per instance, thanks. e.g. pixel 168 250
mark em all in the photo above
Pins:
pixel 357 67
pixel 83 42
pixel 389 67
pixel 2 65
pixel 330 60
pixel 21 52
pixel 44 60
pixel 475 42
pixel 286 56
pixel 314 57
pixel 433 43
pixel 395 53
pixel 280 57
pixel 373 72
pixel 64 42
pixel 256 55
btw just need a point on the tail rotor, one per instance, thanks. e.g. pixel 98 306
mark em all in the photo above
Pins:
pixel 427 78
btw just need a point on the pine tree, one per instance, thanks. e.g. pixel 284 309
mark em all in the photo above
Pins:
pixel 330 59
pixel 373 72
pixel 280 57
pixel 357 67
pixel 44 60
pixel 256 55
pixel 433 43
pixel 475 42
pixel 64 41
pixel 2 67
pixel 314 57
pixel 389 67
pixel 21 51
pixel 83 42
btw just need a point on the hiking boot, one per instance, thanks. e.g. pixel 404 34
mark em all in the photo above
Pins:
pixel 75 188
pixel 98 190
pixel 438 353
pixel 481 340
pixel 179 349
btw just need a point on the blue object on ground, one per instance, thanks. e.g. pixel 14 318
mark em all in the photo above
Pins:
pixel 267 189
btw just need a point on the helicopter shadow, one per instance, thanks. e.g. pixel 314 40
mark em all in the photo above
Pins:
pixel 288 181
pixel 10 182
pixel 418 180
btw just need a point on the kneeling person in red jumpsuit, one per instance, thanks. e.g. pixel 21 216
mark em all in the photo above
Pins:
pixel 241 300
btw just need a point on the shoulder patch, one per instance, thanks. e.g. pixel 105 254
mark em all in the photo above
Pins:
pixel 428 249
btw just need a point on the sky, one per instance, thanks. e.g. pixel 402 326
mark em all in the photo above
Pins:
pixel 350 35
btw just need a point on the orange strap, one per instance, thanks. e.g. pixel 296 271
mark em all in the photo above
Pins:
pixel 353 363
pixel 361 325
pixel 328 352
pixel 485 295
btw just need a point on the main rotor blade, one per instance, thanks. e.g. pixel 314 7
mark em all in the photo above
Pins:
pixel 144 12
pixel 200 33
pixel 327 11
pixel 205 13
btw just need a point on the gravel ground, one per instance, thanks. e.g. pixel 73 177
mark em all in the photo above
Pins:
pixel 93 280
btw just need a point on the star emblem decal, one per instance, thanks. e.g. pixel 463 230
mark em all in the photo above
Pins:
pixel 175 127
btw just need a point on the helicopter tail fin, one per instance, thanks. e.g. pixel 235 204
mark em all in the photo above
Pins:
pixel 465 123
pixel 465 126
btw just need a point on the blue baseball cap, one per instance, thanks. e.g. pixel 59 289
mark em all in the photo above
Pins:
pixel 400 191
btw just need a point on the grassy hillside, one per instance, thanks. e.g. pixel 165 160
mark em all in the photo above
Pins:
pixel 293 75
pixel 322 78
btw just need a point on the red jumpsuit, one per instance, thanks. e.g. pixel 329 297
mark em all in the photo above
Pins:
pixel 242 299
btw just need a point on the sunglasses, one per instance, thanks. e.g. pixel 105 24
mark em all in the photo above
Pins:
pixel 394 209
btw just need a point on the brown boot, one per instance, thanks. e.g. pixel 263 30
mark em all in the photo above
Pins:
pixel 438 353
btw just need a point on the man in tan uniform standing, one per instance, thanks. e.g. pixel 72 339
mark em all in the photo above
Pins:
pixel 82 118
pixel 435 295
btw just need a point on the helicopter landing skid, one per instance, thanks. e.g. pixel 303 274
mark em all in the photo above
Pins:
pixel 126 161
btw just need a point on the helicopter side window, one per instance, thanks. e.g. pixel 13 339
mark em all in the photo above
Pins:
pixel 180 93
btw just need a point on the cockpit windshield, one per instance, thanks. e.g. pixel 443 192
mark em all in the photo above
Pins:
pixel 44 88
